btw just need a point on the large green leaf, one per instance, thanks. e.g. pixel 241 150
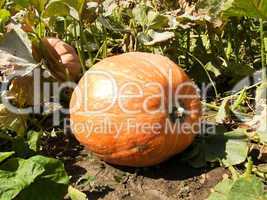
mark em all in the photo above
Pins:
pixel 249 8
pixel 229 8
pixel 52 185
pixel 72 8
pixel 147 17
pixel 244 187
pixel 221 190
pixel 16 175
pixel 36 178
pixel 247 188
pixel 231 148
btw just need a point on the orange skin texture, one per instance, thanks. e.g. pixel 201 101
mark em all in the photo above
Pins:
pixel 132 148
pixel 64 54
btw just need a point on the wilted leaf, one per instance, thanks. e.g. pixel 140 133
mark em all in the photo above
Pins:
pixel 224 113
pixel 158 37
pixel 16 53
pixel 21 91
pixel 76 194
pixel 11 121
pixel 259 120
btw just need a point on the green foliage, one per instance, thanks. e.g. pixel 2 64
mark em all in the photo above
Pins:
pixel 76 194
pixel 4 18
pixel 219 44
pixel 230 8
pixel 5 155
pixel 33 178
pixel 247 188
pixel 249 8
pixel 229 148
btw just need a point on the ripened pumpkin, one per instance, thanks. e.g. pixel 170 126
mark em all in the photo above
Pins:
pixel 121 95
pixel 62 59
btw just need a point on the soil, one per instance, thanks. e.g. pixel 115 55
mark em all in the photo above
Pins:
pixel 101 181
pixel 170 180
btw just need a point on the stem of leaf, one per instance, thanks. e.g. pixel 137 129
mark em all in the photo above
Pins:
pixel 208 75
pixel 79 46
pixel 263 52
pixel 233 172
pixel 248 168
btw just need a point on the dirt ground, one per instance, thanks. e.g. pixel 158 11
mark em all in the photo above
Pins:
pixel 100 181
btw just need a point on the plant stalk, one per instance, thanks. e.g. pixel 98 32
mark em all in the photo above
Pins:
pixel 263 52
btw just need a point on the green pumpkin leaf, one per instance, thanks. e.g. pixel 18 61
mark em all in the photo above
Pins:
pixel 76 194
pixel 230 8
pixel 221 190
pixel 231 148
pixel 247 188
pixel 34 140
pixel 249 8
pixel 16 175
pixel 5 155
pixel 52 185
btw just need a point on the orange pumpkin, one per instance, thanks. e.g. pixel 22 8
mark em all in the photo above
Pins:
pixel 63 62
pixel 148 84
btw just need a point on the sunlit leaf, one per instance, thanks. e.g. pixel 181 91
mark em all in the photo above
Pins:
pixel 249 8
pixel 221 190
pixel 33 178
pixel 16 175
pixel 33 140
pixel 76 194
pixel 229 8
pixel 247 188
pixel 5 155
pixel 4 16
pixel 158 37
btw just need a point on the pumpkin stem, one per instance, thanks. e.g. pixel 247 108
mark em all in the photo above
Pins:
pixel 177 113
